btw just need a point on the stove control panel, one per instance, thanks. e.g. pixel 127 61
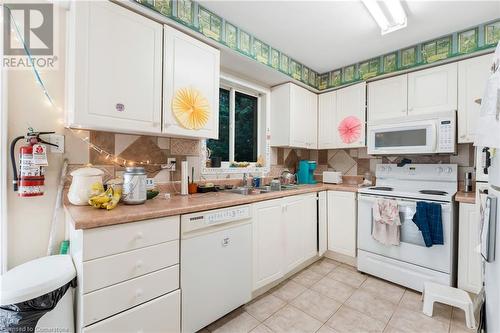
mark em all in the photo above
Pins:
pixel 437 172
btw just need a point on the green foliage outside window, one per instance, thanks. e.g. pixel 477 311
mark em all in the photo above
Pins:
pixel 220 147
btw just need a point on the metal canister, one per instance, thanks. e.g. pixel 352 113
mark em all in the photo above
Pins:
pixel 134 186
pixel 468 182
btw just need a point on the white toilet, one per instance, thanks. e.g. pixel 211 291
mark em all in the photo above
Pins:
pixel 29 281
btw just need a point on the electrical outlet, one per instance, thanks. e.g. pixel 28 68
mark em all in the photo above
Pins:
pixel 58 140
pixel 171 163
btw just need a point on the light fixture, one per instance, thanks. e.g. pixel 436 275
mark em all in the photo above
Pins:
pixel 389 14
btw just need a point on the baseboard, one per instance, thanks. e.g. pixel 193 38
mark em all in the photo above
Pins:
pixel 348 260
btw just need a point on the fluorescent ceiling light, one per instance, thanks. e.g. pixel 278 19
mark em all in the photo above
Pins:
pixel 389 14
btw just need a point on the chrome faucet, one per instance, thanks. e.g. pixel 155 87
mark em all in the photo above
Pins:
pixel 245 179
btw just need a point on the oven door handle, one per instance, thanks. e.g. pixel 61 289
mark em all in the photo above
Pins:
pixel 400 201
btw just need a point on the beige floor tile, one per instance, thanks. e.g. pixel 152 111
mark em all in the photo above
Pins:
pixel 237 321
pixel 292 320
pixel 383 289
pixel 411 321
pixel 334 289
pixel 316 305
pixel 458 319
pixel 348 276
pixel 261 329
pixel 307 277
pixel 349 320
pixel 372 305
pixel 323 266
pixel 263 307
pixel 390 329
pixel 461 329
pixel 412 300
pixel 288 290
pixel 325 329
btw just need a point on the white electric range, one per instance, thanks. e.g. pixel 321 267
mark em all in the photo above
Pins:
pixel 411 263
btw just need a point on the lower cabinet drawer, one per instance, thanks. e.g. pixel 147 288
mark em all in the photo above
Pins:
pixel 108 301
pixel 104 272
pixel 159 315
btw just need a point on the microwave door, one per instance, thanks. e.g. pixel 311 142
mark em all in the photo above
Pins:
pixel 411 139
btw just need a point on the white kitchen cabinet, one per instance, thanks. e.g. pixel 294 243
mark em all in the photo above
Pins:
pixel 300 225
pixel 284 236
pixel 327 113
pixel 128 276
pixel 469 258
pixel 473 74
pixel 388 98
pixel 294 117
pixel 433 89
pixel 113 69
pixel 268 242
pixel 189 63
pixel 351 101
pixel 342 217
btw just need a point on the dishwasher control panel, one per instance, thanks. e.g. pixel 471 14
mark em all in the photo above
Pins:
pixel 206 219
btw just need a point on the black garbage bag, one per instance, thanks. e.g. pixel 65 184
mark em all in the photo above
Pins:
pixel 23 316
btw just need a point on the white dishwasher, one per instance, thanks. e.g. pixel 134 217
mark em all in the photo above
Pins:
pixel 216 264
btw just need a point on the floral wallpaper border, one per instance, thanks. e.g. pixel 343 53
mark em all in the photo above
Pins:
pixel 196 17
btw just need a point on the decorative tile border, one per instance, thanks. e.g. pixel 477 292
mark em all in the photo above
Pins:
pixel 196 17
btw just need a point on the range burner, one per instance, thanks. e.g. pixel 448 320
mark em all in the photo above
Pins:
pixel 433 192
pixel 381 188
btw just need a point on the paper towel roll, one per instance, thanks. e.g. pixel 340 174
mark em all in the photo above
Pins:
pixel 184 177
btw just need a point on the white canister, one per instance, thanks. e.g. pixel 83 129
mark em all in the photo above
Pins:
pixel 81 185
pixel 134 186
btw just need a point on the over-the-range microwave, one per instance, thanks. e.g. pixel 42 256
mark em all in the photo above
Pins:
pixel 433 133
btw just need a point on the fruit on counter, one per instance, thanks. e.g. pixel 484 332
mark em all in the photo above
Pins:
pixel 150 194
pixel 96 189
pixel 108 199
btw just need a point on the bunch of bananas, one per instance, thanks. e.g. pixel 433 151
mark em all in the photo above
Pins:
pixel 106 199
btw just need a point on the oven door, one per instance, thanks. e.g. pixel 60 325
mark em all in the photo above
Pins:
pixel 418 137
pixel 412 248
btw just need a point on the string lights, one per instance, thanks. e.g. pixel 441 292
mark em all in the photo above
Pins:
pixel 115 159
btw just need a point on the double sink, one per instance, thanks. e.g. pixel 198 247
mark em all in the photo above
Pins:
pixel 246 190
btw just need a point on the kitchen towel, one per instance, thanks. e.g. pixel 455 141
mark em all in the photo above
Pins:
pixel 429 221
pixel 489 115
pixel 386 221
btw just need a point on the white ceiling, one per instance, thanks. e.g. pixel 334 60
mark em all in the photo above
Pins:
pixel 326 35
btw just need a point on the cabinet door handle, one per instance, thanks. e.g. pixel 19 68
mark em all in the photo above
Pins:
pixel 410 109
pixel 478 101
pixel 462 136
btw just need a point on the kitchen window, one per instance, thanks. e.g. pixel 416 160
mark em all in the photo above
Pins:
pixel 238 126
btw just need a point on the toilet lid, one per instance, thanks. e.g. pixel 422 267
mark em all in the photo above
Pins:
pixel 36 278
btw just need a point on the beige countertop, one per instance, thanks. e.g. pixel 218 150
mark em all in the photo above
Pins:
pixel 465 197
pixel 86 217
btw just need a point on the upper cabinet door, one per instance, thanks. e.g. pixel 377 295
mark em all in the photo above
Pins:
pixel 388 98
pixel 294 117
pixel 114 69
pixel 190 64
pixel 351 102
pixel 472 77
pixel 433 89
pixel 327 112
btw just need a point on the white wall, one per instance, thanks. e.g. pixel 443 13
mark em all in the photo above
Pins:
pixel 29 219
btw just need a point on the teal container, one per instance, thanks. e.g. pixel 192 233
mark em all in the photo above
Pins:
pixel 305 174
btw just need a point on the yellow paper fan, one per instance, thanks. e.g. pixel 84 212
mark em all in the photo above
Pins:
pixel 190 108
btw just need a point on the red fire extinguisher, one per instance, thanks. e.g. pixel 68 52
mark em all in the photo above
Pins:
pixel 32 162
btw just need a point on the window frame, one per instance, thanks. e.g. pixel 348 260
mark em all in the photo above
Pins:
pixel 234 84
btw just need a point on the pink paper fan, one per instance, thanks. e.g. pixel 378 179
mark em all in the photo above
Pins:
pixel 349 129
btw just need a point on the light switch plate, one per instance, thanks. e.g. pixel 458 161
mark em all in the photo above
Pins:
pixel 58 140
pixel 171 163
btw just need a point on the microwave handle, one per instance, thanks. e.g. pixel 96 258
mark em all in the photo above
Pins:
pixel 435 138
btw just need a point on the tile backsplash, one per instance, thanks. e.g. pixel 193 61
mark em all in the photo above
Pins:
pixel 350 162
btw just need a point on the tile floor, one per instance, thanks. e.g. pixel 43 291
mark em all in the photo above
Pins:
pixel 329 297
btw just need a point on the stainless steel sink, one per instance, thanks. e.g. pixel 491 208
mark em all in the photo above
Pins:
pixel 249 190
